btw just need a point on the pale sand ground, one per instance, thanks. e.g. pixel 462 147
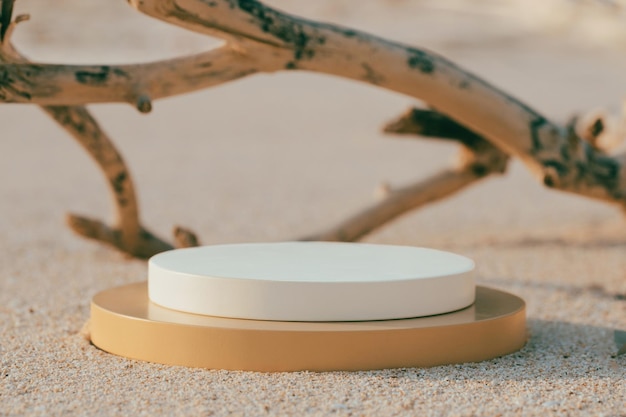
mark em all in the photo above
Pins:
pixel 274 157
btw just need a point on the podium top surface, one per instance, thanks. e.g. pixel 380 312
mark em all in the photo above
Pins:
pixel 319 262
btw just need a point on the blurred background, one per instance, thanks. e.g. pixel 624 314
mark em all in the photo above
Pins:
pixel 80 30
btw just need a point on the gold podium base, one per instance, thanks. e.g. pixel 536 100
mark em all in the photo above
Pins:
pixel 124 322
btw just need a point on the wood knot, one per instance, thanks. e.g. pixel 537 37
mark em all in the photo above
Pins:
pixel 144 104
pixel 550 177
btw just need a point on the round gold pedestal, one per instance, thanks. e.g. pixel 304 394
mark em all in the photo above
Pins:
pixel 124 322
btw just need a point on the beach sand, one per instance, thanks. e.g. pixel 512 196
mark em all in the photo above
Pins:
pixel 274 157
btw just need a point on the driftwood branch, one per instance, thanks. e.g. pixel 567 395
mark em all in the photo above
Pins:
pixel 558 159
pixel 477 159
pixel 137 84
pixel 490 125
pixel 126 234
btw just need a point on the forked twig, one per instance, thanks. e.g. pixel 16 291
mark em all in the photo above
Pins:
pixel 477 159
pixel 126 234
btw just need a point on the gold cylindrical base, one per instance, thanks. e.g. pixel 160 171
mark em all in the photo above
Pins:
pixel 124 322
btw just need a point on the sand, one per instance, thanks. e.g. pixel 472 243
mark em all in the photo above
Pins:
pixel 274 157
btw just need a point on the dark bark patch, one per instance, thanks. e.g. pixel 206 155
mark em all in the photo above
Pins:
pixel 554 171
pixel 605 168
pixel 434 124
pixel 535 125
pixel 559 167
pixel 479 170
pixel 144 104
pixel 120 73
pixel 118 182
pixel 99 77
pixel 565 152
pixel 80 127
pixel 420 61
pixel 11 86
pixel 288 30
pixel 596 128
pixel 548 181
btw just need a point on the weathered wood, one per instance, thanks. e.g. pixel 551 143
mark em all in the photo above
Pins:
pixel 137 84
pixel 477 159
pixel 547 149
pixel 126 233
pixel 490 124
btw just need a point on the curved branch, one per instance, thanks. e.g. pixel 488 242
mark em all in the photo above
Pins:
pixel 144 243
pixel 557 158
pixel 320 47
pixel 477 159
pixel 79 123
pixel 127 234
pixel 396 204
pixel 264 39
pixel 138 84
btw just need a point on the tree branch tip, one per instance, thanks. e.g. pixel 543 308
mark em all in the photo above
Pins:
pixel 81 225
pixel 591 126
pixel 144 104
pixel 7 26
pixel 93 229
pixel 22 18
pixel 402 124
pixel 597 127
pixel 145 245
pixel 392 128
pixel 383 190
pixel 185 238
pixel 550 177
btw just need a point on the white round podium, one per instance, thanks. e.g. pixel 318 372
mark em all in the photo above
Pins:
pixel 307 306
pixel 311 281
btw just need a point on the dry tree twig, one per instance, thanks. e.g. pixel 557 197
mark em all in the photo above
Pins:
pixel 490 124
pixel 127 234
pixel 559 159
pixel 477 159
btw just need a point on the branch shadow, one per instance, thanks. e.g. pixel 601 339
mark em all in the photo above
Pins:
pixel 538 242
pixel 555 350
pixel 573 290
